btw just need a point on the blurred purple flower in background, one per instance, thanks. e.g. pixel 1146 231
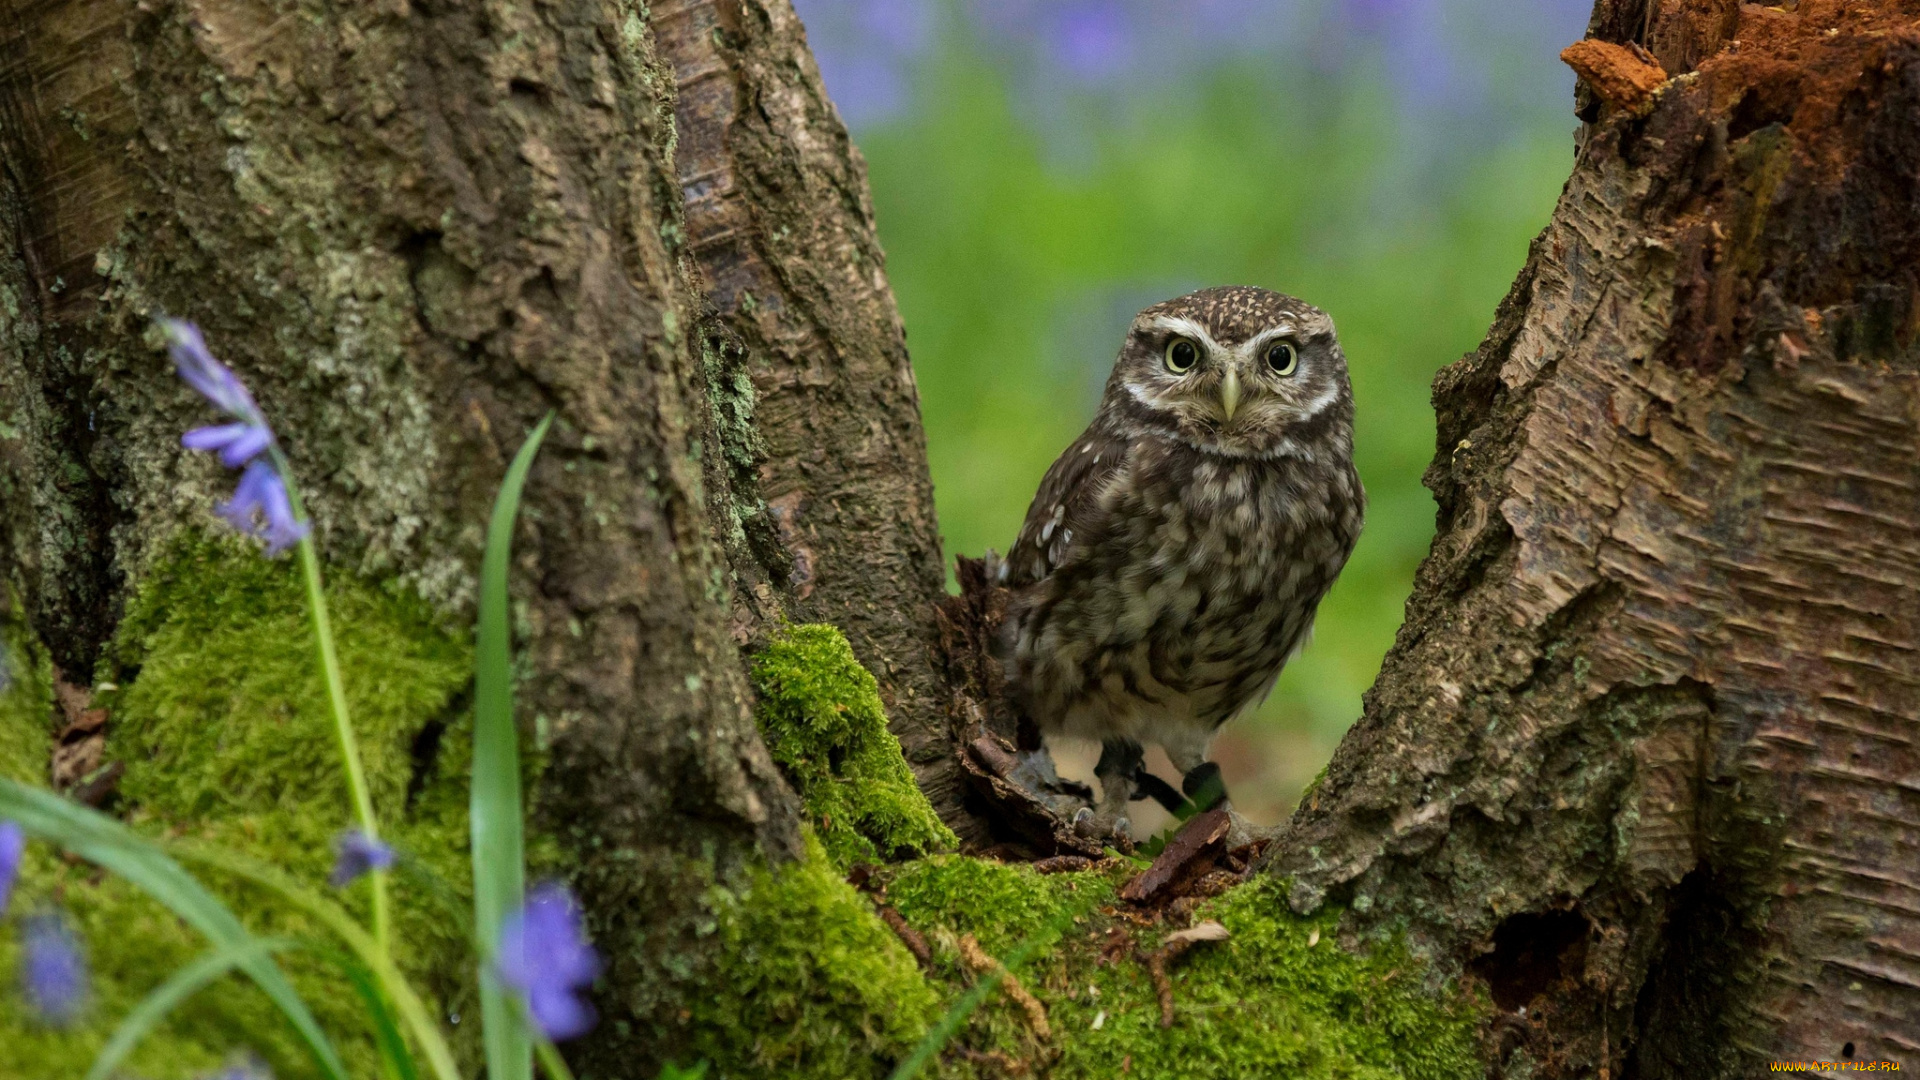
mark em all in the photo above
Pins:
pixel 869 45
pixel 545 956
pixel 260 506
pixel 357 853
pixel 52 971
pixel 1448 62
pixel 13 844
pixel 1092 39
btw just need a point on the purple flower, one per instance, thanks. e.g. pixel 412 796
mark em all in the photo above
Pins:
pixel 358 853
pixel 237 443
pixel 215 380
pixel 52 970
pixel 13 843
pixel 1093 40
pixel 260 507
pixel 546 958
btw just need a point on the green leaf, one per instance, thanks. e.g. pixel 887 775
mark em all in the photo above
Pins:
pixel 393 1046
pixel 499 846
pixel 426 1033
pixel 100 839
pixel 180 986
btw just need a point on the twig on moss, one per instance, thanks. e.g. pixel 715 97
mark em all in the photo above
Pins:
pixel 915 942
pixel 1160 959
pixel 977 960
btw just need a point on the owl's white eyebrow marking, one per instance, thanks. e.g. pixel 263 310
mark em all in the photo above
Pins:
pixel 1249 349
pixel 1187 328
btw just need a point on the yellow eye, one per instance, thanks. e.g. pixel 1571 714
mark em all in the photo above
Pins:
pixel 1282 358
pixel 1182 355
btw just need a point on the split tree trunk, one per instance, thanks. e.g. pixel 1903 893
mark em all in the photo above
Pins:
pixel 1644 755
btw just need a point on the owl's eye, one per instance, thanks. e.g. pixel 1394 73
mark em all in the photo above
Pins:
pixel 1282 357
pixel 1182 355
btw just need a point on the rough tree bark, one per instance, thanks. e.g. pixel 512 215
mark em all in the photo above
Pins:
pixel 414 229
pixel 780 224
pixel 1644 754
pixel 1642 758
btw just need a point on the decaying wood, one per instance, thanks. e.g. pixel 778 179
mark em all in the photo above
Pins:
pixel 1192 848
pixel 1643 755
pixel 1624 76
pixel 780 223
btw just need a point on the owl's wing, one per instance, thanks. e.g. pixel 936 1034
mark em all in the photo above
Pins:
pixel 1066 509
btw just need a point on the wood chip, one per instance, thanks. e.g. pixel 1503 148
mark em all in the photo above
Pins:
pixel 1197 838
pixel 977 960
pixel 1623 77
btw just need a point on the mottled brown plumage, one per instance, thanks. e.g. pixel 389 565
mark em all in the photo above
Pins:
pixel 1173 557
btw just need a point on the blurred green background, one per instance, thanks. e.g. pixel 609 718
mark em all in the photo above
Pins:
pixel 1042 169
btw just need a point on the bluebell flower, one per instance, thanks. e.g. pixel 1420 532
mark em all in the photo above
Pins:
pixel 357 854
pixel 214 380
pixel 13 844
pixel 260 507
pixel 237 443
pixel 52 971
pixel 545 957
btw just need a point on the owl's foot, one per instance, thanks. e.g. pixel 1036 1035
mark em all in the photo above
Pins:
pixel 1115 831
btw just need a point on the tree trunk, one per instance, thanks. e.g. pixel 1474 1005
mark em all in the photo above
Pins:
pixel 1642 758
pixel 414 229
pixel 779 220
pixel 1643 755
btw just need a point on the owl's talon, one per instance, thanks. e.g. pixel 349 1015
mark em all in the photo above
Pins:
pixel 1083 821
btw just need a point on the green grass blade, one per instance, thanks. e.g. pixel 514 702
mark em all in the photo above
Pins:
pixel 419 1021
pixel 100 839
pixel 499 855
pixel 393 1045
pixel 551 1061
pixel 166 997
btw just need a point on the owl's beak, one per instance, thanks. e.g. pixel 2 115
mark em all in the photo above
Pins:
pixel 1230 393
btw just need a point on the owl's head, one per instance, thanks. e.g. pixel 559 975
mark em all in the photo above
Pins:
pixel 1235 370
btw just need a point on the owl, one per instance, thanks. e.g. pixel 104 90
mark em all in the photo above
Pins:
pixel 1172 560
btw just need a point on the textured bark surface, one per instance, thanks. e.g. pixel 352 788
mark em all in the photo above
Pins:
pixel 1644 754
pixel 780 224
pixel 414 229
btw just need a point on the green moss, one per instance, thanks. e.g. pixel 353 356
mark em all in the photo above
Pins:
pixel 1000 904
pixel 807 981
pixel 1262 1003
pixel 222 725
pixel 821 716
pixel 26 702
